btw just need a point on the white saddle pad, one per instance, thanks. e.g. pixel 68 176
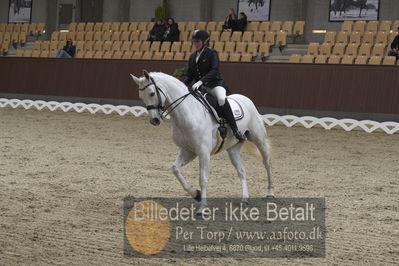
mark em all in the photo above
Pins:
pixel 236 108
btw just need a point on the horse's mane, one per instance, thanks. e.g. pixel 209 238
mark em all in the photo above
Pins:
pixel 166 79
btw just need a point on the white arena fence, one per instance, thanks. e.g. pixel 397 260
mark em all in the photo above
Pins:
pixel 270 119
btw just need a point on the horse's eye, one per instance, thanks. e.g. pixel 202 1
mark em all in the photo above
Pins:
pixel 152 94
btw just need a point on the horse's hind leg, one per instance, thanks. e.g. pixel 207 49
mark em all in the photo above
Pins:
pixel 235 158
pixel 182 159
pixel 259 137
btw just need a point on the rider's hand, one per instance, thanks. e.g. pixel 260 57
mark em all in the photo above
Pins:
pixel 197 85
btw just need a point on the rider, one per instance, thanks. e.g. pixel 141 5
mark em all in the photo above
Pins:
pixel 203 68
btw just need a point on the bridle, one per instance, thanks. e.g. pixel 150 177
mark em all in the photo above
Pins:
pixel 159 107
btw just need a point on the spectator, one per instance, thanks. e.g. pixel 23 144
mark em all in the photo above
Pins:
pixel 230 23
pixel 172 31
pixel 158 30
pixel 395 47
pixel 242 22
pixel 68 51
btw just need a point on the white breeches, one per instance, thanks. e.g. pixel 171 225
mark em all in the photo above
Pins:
pixel 219 92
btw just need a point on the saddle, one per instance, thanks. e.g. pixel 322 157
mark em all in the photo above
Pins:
pixel 215 108
pixel 211 105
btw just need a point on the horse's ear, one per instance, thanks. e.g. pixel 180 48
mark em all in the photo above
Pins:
pixel 146 75
pixel 137 80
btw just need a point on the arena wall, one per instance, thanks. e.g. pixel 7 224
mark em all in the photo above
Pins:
pixel 347 88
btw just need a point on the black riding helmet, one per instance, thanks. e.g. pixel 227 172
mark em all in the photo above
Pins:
pixel 200 35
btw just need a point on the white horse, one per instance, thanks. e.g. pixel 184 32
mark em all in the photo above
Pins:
pixel 195 131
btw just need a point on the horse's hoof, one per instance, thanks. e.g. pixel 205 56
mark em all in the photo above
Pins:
pixel 270 197
pixel 198 197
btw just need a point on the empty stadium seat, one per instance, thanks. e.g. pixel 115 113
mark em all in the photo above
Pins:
pixel 352 49
pixel 359 26
pixel 342 37
pixel 264 26
pixel 321 59
pixel 247 36
pixel 299 28
pixel 191 26
pixel 307 58
pixel 225 36
pixel 157 56
pixel 241 47
pixel 223 57
pixel 133 27
pixel 168 56
pixel 355 37
pixel 147 55
pixel 155 46
pixel 186 47
pixel 365 49
pixel 259 36
pixel 143 36
pixel 185 36
pixel 378 49
pixel 214 36
pixel 270 38
pixel 219 46
pixel 264 49
pixel 253 48
pixel 179 56
pixel 252 26
pixel 372 26
pixel 346 26
pixel 329 37
pixel 325 49
pixel 347 59
pixel 334 59
pixel 339 49
pixel 165 47
pixel 246 57
pixel 176 46
pixel 375 60
pixel 124 27
pixel 234 57
pixel 287 27
pixel 281 38
pixel 382 37
pixel 275 26
pixel 236 36
pixel 201 25
pixel 211 26
pixel 313 48
pixel 361 59
pixel 368 37
pixel 385 25
pixel 389 60
pixel 295 58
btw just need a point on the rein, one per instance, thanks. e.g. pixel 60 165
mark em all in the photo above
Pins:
pixel 165 110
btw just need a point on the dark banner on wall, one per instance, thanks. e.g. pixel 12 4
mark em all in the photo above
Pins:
pixel 341 10
pixel 256 10
pixel 20 11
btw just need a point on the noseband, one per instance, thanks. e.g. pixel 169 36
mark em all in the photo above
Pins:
pixel 159 106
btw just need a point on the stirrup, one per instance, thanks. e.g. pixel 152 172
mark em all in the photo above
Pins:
pixel 241 137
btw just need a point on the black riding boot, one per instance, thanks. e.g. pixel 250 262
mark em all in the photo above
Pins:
pixel 228 114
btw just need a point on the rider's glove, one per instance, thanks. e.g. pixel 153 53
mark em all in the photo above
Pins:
pixel 197 85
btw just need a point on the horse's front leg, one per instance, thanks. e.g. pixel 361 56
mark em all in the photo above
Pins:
pixel 182 159
pixel 204 160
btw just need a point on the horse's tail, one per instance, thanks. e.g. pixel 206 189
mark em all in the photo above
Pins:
pixel 251 148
